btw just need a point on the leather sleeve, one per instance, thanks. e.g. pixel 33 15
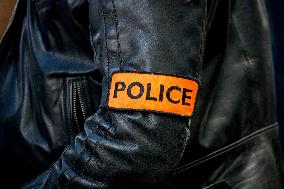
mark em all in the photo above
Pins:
pixel 148 36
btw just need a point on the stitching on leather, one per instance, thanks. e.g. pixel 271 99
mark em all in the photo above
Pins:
pixel 224 149
pixel 202 38
pixel 107 51
pixel 104 135
pixel 114 12
pixel 105 36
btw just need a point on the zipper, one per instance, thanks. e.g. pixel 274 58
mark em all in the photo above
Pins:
pixel 79 109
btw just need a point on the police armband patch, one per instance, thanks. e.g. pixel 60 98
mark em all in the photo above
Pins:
pixel 153 92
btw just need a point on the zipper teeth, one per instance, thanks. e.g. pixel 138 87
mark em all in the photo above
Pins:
pixel 83 108
pixel 74 90
pixel 77 95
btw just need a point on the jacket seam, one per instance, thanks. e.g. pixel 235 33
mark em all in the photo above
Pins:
pixel 224 149
pixel 105 37
pixel 202 37
pixel 114 13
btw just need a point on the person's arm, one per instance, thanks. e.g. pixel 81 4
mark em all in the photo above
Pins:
pixel 6 8
pixel 150 53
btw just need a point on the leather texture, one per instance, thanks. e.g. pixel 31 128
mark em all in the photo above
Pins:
pixel 56 63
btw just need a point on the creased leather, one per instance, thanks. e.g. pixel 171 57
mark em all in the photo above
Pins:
pixel 234 123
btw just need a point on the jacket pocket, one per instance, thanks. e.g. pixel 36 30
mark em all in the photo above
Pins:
pixel 77 107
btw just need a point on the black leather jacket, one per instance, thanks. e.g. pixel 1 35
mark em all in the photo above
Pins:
pixel 57 130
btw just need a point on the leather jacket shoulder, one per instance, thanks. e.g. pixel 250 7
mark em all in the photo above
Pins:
pixel 138 94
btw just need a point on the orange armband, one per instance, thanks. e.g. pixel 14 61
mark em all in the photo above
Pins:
pixel 153 92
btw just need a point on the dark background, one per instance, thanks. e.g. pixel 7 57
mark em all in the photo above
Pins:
pixel 276 8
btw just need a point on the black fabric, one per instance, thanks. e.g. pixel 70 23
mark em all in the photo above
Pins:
pixel 56 130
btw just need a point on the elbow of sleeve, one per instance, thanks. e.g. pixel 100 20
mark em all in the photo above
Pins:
pixel 151 147
pixel 162 157
pixel 136 145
